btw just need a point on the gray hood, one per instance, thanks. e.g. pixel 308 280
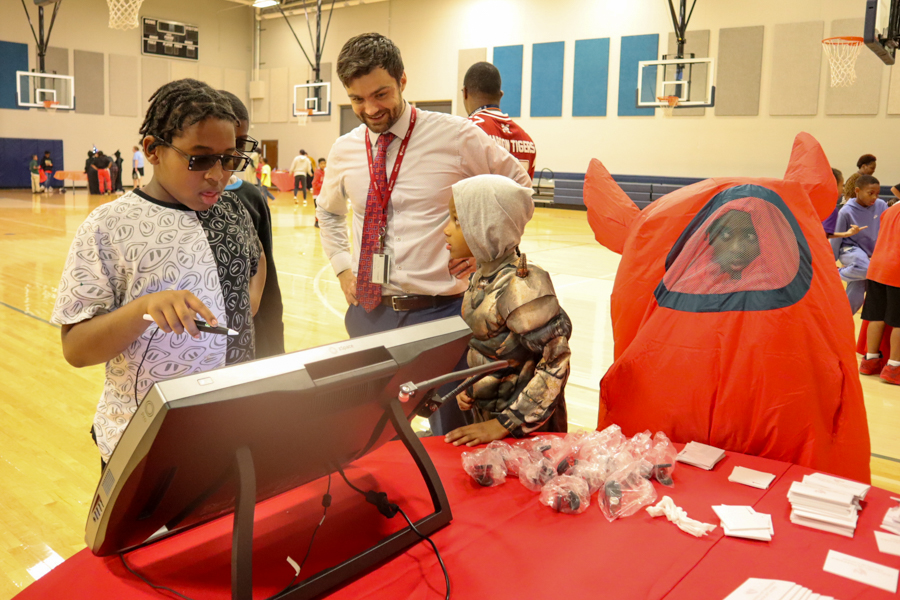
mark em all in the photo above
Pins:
pixel 493 211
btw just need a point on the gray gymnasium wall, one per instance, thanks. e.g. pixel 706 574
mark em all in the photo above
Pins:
pixel 894 94
pixel 89 82
pixel 467 58
pixel 863 97
pixel 697 43
pixel 123 86
pixel 154 74
pixel 55 61
pixel 739 71
pixel 796 69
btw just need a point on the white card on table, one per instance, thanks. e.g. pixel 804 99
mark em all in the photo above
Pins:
pixel 381 269
pixel 756 479
pixel 863 571
pixel 888 543
pixel 761 589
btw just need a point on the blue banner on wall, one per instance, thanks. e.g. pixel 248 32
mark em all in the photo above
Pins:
pixel 508 60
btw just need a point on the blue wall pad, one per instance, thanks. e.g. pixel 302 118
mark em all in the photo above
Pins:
pixel 636 48
pixel 15 154
pixel 508 60
pixel 591 79
pixel 547 79
pixel 13 57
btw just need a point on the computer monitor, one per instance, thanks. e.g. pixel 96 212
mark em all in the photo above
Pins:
pixel 299 414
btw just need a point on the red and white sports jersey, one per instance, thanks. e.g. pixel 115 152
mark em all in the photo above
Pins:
pixel 507 134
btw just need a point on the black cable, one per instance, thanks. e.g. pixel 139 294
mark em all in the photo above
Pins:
pixel 140 365
pixel 326 502
pixel 147 581
pixel 389 510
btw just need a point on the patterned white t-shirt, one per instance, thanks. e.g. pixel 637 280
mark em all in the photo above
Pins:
pixel 136 246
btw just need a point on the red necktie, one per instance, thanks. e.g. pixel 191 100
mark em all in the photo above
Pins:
pixel 368 293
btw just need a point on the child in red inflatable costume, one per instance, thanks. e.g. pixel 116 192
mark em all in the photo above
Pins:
pixel 730 321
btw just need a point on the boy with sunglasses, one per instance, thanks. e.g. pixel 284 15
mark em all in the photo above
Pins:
pixel 174 251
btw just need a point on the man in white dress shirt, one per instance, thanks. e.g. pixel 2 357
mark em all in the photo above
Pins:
pixel 423 283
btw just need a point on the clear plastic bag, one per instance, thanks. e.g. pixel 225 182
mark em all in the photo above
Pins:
pixel 566 494
pixel 592 473
pixel 535 474
pixel 514 457
pixel 485 466
pixel 662 456
pixel 625 492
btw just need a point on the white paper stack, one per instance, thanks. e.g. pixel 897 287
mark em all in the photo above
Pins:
pixel 827 503
pixel 744 522
pixel 700 455
pixel 891 520
pixel 773 589
pixel 757 479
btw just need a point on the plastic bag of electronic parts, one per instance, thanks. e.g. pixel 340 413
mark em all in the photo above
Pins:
pixel 535 474
pixel 514 457
pixel 662 457
pixel 566 494
pixel 625 492
pixel 485 466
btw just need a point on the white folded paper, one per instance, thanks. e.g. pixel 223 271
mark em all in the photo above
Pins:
pixel 891 520
pixel 773 589
pixel 700 455
pixel 757 479
pixel 827 503
pixel 863 571
pixel 888 543
pixel 679 517
pixel 744 522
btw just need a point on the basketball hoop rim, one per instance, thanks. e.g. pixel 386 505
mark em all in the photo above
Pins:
pixel 848 40
pixel 51 105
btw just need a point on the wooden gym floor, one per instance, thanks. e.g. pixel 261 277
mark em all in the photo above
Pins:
pixel 48 464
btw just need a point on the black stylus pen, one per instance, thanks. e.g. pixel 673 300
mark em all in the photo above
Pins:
pixel 205 327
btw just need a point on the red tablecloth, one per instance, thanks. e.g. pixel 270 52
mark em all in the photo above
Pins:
pixel 283 180
pixel 501 543
pixel 73 175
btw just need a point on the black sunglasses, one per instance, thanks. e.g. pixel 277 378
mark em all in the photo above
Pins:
pixel 247 144
pixel 204 162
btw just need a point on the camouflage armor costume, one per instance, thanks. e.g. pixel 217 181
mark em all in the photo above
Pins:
pixel 516 317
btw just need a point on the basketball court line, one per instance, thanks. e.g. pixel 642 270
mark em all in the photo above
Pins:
pixel 32 224
pixel 321 296
pixel 27 314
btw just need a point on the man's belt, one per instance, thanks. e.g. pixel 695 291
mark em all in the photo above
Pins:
pixel 406 303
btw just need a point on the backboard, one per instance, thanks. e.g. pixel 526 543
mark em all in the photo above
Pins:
pixel 677 77
pixel 33 89
pixel 312 96
pixel 882 28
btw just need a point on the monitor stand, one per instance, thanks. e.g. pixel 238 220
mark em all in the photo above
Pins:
pixel 242 534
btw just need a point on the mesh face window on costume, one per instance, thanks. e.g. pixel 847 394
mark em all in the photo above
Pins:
pixel 734 242
pixel 743 251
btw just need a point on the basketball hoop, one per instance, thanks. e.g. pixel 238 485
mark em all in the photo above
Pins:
pixel 671 103
pixel 123 14
pixel 51 105
pixel 304 116
pixel 842 53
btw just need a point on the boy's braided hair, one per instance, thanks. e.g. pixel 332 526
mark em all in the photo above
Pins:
pixel 180 104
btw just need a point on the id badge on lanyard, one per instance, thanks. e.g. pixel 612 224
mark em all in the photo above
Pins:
pixel 381 262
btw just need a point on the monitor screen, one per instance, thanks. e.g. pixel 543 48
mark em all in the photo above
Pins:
pixel 299 414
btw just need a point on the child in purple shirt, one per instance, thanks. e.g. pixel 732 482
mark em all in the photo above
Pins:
pixel 854 252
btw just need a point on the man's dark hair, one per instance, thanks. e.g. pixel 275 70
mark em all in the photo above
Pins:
pixel 180 104
pixel 46 152
pixel 866 181
pixel 865 159
pixel 237 107
pixel 838 176
pixel 303 153
pixel 365 53
pixel 322 160
pixel 483 78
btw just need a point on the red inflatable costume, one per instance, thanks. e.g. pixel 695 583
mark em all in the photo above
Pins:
pixel 724 317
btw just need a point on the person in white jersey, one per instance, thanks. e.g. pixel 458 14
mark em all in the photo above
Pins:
pixel 137 167
pixel 301 167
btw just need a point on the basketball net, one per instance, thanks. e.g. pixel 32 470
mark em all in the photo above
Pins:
pixel 304 116
pixel 842 53
pixel 123 14
pixel 671 103
pixel 50 105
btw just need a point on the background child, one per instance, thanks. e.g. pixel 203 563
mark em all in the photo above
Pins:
pixel 35 169
pixel 265 178
pixel 829 223
pixel 137 167
pixel 866 166
pixel 514 314
pixel 864 211
pixel 882 306
pixel 268 322
pixel 172 250
pixel 318 180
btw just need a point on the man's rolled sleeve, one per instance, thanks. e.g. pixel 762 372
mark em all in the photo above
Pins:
pixel 331 210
